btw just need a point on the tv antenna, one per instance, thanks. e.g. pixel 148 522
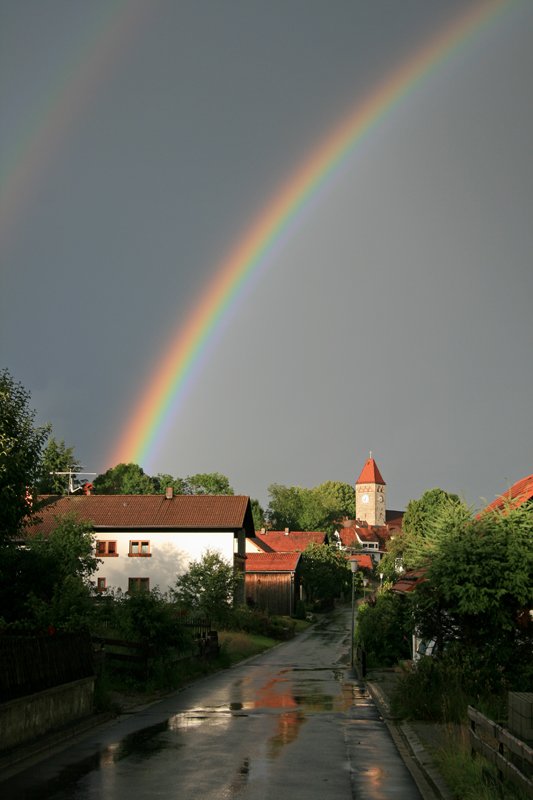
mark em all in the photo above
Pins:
pixel 72 473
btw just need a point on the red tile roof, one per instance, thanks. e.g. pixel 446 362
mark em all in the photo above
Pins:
pixel 350 536
pixel 364 561
pixel 409 581
pixel 281 542
pixel 347 537
pixel 519 493
pixel 133 512
pixel 272 562
pixel 370 474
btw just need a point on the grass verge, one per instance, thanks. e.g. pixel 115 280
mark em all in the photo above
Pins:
pixel 471 778
pixel 235 646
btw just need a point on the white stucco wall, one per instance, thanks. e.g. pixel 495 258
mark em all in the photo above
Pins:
pixel 170 556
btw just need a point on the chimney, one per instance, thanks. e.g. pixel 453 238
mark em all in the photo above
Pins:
pixel 286 531
pixel 263 530
pixel 169 492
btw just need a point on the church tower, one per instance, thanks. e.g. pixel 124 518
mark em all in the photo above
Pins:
pixel 370 495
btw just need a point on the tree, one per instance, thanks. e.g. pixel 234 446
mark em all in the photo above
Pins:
pixel 384 630
pixel 478 593
pixel 208 587
pixel 57 457
pixel 162 480
pixel 325 573
pixel 422 530
pixel 317 509
pixel 338 498
pixel 21 444
pixel 209 483
pixel 285 507
pixel 48 581
pixel 258 514
pixel 124 479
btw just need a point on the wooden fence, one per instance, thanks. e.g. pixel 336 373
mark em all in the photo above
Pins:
pixel 512 757
pixel 136 656
pixel 30 664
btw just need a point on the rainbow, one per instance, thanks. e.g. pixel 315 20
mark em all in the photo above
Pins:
pixel 67 99
pixel 190 345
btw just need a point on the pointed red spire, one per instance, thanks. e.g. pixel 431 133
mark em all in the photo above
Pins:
pixel 370 473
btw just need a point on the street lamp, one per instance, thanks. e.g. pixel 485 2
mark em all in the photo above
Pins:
pixel 381 580
pixel 365 584
pixel 353 567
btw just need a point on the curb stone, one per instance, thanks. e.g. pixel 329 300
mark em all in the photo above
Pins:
pixel 417 760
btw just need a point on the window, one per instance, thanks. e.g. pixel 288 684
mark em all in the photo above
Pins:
pixel 104 548
pixel 101 584
pixel 140 549
pixel 138 585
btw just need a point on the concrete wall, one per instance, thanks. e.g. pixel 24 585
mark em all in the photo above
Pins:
pixel 27 718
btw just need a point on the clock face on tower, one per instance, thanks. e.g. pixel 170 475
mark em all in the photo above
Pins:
pixel 364 498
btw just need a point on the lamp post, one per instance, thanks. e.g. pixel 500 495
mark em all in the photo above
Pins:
pixel 381 580
pixel 365 584
pixel 353 567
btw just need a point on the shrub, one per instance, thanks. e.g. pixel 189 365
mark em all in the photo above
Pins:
pixel 260 622
pixel 430 690
pixel 383 630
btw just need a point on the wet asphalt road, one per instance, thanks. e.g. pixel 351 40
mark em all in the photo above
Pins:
pixel 291 724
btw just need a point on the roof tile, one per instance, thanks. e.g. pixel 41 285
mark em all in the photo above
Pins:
pixel 519 493
pixel 370 474
pixel 272 562
pixel 281 542
pixel 185 512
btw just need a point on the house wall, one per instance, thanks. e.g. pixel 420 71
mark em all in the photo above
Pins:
pixel 170 555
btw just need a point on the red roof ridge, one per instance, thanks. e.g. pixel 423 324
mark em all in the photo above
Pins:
pixel 370 473
pixel 517 494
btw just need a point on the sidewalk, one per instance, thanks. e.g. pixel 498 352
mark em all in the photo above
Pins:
pixel 416 741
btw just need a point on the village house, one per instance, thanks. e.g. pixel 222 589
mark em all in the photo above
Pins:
pixel 146 541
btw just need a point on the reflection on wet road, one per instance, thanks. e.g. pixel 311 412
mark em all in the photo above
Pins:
pixel 290 724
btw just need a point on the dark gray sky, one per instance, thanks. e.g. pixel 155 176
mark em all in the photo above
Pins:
pixel 139 140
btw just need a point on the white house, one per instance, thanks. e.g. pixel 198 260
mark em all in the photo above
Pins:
pixel 146 541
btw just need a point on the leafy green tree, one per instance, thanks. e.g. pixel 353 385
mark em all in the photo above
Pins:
pixel 124 479
pixel 338 498
pixel 285 507
pixel 258 514
pixel 478 593
pixel 325 573
pixel 209 483
pixel 209 587
pixel 48 581
pixel 69 549
pixel 384 630
pixel 162 480
pixel 57 457
pixel 422 530
pixel 304 509
pixel 21 445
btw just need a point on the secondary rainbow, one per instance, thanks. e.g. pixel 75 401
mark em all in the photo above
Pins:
pixel 93 54
pixel 188 349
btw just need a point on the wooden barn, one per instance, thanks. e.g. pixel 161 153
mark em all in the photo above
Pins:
pixel 272 581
